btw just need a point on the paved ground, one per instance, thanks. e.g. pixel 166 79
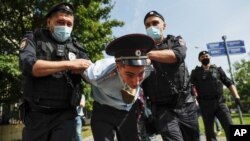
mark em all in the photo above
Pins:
pixel 159 138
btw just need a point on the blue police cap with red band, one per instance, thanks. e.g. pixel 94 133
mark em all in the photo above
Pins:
pixel 153 13
pixel 63 6
pixel 131 49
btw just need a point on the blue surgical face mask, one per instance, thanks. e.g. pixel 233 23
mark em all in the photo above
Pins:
pixel 154 32
pixel 61 33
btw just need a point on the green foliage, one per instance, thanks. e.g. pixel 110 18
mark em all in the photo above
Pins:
pixel 242 75
pixel 9 79
pixel 92 28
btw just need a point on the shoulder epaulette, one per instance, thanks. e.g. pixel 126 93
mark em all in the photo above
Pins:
pixel 78 45
pixel 214 66
pixel 197 67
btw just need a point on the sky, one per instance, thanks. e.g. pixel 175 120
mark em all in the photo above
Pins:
pixel 198 21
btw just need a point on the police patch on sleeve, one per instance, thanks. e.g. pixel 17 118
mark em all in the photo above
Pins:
pixel 24 43
pixel 181 42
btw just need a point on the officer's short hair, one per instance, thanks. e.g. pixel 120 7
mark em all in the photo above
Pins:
pixel 153 13
pixel 202 53
pixel 63 6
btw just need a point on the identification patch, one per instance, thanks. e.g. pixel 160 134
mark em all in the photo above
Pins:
pixel 71 56
pixel 24 43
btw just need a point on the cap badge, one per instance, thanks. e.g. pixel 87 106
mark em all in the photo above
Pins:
pixel 67 7
pixel 151 13
pixel 137 53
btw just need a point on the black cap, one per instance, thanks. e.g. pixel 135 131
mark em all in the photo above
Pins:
pixel 202 53
pixel 153 13
pixel 131 49
pixel 63 6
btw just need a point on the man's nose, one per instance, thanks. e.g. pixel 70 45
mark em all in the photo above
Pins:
pixel 136 81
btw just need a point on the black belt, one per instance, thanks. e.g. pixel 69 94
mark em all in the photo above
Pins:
pixel 47 109
pixel 208 97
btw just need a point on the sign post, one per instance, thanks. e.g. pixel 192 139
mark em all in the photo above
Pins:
pixel 224 37
pixel 226 48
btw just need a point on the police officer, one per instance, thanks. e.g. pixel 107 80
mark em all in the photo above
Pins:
pixel 51 62
pixel 116 87
pixel 167 87
pixel 208 80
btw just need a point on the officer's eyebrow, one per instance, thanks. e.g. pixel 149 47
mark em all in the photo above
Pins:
pixel 152 23
pixel 63 22
pixel 206 55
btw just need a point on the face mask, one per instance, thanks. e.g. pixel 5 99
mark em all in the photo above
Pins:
pixel 205 61
pixel 154 32
pixel 128 94
pixel 61 33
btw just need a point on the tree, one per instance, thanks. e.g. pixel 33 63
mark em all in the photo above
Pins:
pixel 92 27
pixel 242 75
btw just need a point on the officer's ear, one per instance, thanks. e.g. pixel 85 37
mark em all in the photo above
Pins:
pixel 164 26
pixel 199 59
pixel 48 22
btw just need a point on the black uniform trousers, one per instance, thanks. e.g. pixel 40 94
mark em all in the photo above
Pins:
pixel 107 120
pixel 210 108
pixel 178 124
pixel 50 125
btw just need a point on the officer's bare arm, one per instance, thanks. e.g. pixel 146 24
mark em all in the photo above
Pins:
pixel 163 56
pixel 45 68
pixel 234 91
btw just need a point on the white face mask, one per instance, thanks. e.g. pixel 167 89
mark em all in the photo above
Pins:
pixel 154 32
pixel 61 33
pixel 127 92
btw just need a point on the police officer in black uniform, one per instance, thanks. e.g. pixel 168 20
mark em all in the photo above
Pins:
pixel 168 88
pixel 51 62
pixel 208 80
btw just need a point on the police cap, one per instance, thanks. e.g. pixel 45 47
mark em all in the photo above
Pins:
pixel 153 13
pixel 202 53
pixel 131 49
pixel 63 6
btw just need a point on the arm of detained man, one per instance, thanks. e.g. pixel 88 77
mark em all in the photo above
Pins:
pixel 99 70
pixel 44 68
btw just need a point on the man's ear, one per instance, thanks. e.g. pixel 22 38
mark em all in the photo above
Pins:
pixel 117 66
pixel 48 22
pixel 164 26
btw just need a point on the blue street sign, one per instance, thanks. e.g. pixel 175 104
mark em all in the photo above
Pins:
pixel 237 43
pixel 217 45
pixel 236 50
pixel 234 47
pixel 222 51
pixel 217 52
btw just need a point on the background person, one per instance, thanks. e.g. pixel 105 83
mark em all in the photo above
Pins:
pixel 208 80
pixel 50 60
pixel 217 127
pixel 80 119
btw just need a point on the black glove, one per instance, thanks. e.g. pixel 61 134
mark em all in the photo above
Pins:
pixel 237 102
